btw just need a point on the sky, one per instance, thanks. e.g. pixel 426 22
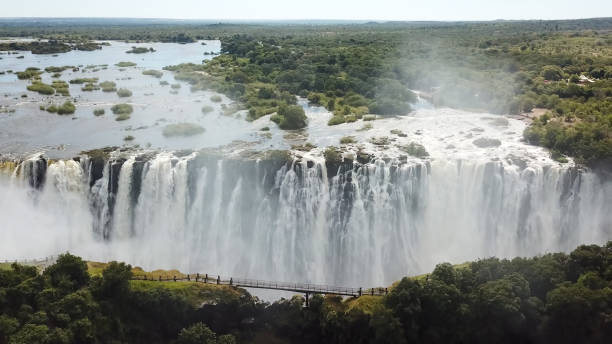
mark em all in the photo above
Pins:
pixel 446 10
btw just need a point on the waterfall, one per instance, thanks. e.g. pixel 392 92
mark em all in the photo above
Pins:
pixel 357 224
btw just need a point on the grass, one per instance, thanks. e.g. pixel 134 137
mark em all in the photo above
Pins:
pixel 122 117
pixel 153 72
pixel 182 129
pixel 122 109
pixel 41 88
pixel 67 108
pixel 124 92
pixel 347 140
pixel 80 81
pixel 195 293
pixel 108 86
pixel 124 64
pixel 90 87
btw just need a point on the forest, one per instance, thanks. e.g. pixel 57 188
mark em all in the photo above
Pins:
pixel 552 298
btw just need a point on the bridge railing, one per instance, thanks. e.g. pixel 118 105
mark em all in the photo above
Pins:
pixel 263 284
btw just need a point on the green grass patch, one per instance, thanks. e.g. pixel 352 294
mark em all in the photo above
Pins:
pixel 182 129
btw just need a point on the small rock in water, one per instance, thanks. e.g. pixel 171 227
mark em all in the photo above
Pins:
pixel 486 142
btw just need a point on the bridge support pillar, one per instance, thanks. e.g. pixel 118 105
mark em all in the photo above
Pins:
pixel 307 299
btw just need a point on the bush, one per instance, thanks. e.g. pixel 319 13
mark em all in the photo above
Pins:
pixel 335 120
pixel 292 117
pixel 216 99
pixel 98 112
pixel 128 138
pixel 176 86
pixel 332 155
pixel 66 109
pixel 122 117
pixel 124 92
pixel 182 129
pixel 122 109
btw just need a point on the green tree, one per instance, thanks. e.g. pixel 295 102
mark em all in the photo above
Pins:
pixel 197 333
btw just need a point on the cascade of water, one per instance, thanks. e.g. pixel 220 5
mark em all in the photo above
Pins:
pixel 364 225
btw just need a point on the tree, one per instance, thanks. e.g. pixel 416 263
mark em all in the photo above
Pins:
pixel 552 73
pixel 198 333
pixel 292 117
pixel 69 273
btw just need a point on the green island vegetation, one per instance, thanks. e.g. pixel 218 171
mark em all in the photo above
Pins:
pixel 52 46
pixel 61 87
pixel 108 86
pixel 164 83
pixel 124 64
pixel 67 108
pixel 129 138
pixel 182 129
pixel 124 92
pixel 552 298
pixel 175 86
pixel 99 112
pixel 562 67
pixel 123 111
pixel 80 81
pixel 41 88
pixel 153 72
pixel 29 73
pixel 90 87
pixel 140 50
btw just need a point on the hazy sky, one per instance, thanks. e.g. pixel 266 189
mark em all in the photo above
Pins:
pixel 311 9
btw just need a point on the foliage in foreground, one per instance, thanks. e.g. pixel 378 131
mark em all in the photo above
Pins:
pixel 554 298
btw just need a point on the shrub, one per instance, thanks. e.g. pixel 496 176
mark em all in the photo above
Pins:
pixel 292 117
pixel 52 109
pixel 122 109
pixel 182 129
pixel 176 86
pixel 66 109
pixel 335 120
pixel 128 138
pixel 124 92
pixel 140 50
pixel 216 99
pixel 90 87
pixel 332 155
pixel 163 83
pixel 98 112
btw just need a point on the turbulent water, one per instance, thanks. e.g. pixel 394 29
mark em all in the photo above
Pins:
pixel 352 224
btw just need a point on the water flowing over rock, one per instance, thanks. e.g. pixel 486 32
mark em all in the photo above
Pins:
pixel 350 224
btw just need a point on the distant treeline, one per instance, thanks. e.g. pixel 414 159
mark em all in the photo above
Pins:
pixel 554 298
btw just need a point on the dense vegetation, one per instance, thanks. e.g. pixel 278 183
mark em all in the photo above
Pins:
pixel 355 69
pixel 554 298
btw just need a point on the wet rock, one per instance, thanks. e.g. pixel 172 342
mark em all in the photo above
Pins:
pixel 484 142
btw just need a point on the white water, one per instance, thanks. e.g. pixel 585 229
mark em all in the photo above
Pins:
pixel 364 227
